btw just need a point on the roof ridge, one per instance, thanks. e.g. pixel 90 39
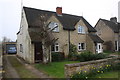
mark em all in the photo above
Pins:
pixel 51 11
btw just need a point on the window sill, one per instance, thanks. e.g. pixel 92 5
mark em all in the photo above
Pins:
pixel 82 33
pixel 54 32
pixel 81 50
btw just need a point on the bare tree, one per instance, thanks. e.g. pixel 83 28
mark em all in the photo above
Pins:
pixel 45 35
pixel 5 39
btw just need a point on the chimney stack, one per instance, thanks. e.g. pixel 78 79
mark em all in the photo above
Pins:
pixel 113 19
pixel 59 11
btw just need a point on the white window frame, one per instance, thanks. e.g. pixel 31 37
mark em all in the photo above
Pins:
pixel 116 46
pixel 80 45
pixel 54 25
pixel 81 29
pixel 21 48
pixel 55 47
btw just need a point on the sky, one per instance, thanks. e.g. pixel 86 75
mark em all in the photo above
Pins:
pixel 91 10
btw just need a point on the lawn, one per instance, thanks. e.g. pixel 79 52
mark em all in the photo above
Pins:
pixel 54 69
pixel 20 68
pixel 112 74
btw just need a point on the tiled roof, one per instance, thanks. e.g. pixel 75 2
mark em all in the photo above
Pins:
pixel 68 21
pixel 114 26
pixel 95 38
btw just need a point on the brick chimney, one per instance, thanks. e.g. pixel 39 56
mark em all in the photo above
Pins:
pixel 113 19
pixel 59 11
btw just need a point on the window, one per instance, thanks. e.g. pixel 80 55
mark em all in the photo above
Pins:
pixel 81 29
pixel 21 48
pixel 54 26
pixel 55 47
pixel 116 45
pixel 81 46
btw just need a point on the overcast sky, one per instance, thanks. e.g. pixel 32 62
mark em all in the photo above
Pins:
pixel 91 10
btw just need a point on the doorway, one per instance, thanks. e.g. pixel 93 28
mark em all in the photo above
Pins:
pixel 38 52
pixel 99 48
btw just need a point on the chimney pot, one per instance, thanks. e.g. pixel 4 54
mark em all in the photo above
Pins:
pixel 113 19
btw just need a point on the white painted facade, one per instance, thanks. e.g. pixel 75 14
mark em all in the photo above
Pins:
pixel 23 39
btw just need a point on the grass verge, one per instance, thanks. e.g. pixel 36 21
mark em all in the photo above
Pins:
pixel 20 68
pixel 54 69
pixel 112 74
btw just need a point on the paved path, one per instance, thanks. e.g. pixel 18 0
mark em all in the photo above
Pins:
pixel 10 72
pixel 33 70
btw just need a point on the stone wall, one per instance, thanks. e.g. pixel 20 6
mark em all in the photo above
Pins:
pixel 71 69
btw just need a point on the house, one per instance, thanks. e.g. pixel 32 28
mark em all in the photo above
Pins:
pixel 65 29
pixel 9 48
pixel 109 31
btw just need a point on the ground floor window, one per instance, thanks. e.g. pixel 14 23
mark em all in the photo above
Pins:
pixel 21 48
pixel 55 47
pixel 116 45
pixel 81 46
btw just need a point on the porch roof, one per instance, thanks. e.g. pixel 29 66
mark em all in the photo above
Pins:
pixel 95 38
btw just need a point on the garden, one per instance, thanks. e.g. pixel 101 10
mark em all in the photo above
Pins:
pixel 55 69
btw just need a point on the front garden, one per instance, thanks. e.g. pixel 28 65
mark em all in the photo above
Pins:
pixel 56 67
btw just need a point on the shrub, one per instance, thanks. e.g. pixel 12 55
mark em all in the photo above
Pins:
pixel 85 56
pixel 99 56
pixel 57 56
pixel 73 52
pixel 88 56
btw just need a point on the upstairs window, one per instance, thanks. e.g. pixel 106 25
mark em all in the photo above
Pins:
pixel 54 27
pixel 55 47
pixel 81 29
pixel 81 46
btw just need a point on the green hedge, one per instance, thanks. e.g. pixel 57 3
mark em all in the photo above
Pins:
pixel 57 56
pixel 87 56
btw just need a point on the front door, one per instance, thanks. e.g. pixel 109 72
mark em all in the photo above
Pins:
pixel 99 48
pixel 38 52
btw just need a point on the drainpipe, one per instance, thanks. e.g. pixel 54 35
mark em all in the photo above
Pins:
pixel 69 41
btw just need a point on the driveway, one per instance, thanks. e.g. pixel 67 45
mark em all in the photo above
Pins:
pixel 17 68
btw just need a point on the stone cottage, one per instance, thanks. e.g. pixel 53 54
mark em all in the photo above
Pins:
pixel 109 31
pixel 65 29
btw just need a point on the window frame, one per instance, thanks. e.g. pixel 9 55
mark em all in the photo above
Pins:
pixel 81 29
pixel 80 48
pixel 56 47
pixel 21 48
pixel 52 25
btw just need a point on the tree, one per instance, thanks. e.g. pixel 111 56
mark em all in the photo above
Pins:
pixel 45 35
pixel 5 39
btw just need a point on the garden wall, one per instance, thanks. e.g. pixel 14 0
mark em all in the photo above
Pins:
pixel 71 69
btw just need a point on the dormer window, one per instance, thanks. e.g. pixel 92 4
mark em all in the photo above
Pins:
pixel 81 29
pixel 54 26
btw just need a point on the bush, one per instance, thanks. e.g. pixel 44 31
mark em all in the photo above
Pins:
pixel 73 52
pixel 88 56
pixel 57 56
pixel 99 56
pixel 85 56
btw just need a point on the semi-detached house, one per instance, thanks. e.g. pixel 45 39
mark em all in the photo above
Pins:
pixel 67 29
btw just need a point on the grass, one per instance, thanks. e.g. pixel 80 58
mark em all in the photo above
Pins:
pixel 112 74
pixel 54 69
pixel 20 68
